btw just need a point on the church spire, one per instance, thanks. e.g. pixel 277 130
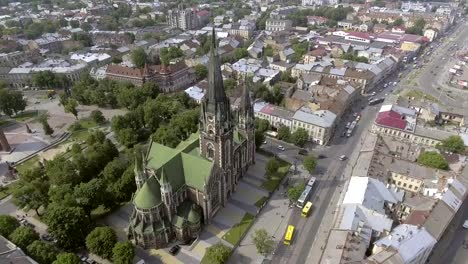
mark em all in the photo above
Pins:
pixel 215 92
pixel 246 114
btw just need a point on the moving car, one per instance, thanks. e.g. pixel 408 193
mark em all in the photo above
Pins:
pixel 342 157
pixel 281 147
pixel 465 224
pixel 321 156
pixel 174 250
pixel 303 152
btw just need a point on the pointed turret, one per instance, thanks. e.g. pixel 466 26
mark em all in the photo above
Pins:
pixel 246 113
pixel 140 175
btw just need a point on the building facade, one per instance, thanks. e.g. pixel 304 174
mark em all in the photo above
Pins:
pixel 179 189
pixel 185 19
pixel 278 25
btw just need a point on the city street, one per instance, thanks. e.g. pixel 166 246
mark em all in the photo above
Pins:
pixel 435 72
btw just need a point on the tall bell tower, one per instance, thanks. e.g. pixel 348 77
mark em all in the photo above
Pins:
pixel 216 124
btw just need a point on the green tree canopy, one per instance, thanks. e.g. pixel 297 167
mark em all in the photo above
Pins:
pixel 101 241
pixel 42 252
pixel 453 144
pixel 8 224
pixel 123 253
pixel 310 163
pixel 201 71
pixel 97 117
pixel 31 190
pixel 217 254
pixel 433 159
pixel 262 125
pixel 272 166
pixel 299 137
pixel 139 57
pixel 67 224
pixel 263 242
pixel 259 139
pixel 70 107
pixel 295 192
pixel 67 258
pixel 284 133
pixel 23 236
pixel 11 101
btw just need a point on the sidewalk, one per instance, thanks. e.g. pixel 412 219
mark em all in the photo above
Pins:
pixel 273 217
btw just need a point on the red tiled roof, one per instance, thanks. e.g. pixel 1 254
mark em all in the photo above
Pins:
pixel 417 218
pixel 203 13
pixel 391 119
pixel 363 35
pixel 268 109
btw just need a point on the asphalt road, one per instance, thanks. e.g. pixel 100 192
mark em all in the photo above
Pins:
pixel 435 72
pixel 330 180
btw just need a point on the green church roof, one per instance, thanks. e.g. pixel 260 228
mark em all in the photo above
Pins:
pixel 189 211
pixel 149 194
pixel 182 165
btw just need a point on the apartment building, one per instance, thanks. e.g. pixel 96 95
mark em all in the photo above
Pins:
pixel 183 18
pixel 401 123
pixel 278 25
pixel 319 124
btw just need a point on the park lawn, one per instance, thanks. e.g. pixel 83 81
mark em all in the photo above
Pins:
pixel 87 123
pixel 100 212
pixel 27 165
pixel 272 182
pixel 234 235
pixel 261 201
pixel 6 191
pixel 21 117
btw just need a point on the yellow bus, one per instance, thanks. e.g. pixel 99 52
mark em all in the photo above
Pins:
pixel 289 235
pixel 306 209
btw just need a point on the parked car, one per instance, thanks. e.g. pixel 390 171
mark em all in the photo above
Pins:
pixel 303 152
pixel 465 224
pixel 174 250
pixel 46 237
pixel 321 156
pixel 342 157
pixel 281 147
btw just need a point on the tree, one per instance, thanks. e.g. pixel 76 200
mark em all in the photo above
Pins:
pixel 62 171
pixel 240 53
pixel 139 57
pixel 45 125
pixel 262 125
pixel 295 192
pixel 23 236
pixel 67 258
pixel 31 191
pixel 70 107
pixel 167 136
pixel 11 101
pixel 453 144
pixel 284 133
pixel 42 252
pixel 8 224
pixel 90 195
pixel 229 84
pixel 310 163
pixel 123 253
pixel 433 159
pixel 67 224
pixel 398 22
pixel 259 139
pixel 101 241
pixel 97 117
pixel 299 137
pixel 201 71
pixel 217 254
pixel 272 166
pixel 263 242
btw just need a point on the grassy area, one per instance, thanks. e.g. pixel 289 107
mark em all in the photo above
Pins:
pixel 261 201
pixel 99 212
pixel 87 123
pixel 4 122
pixel 27 165
pixel 21 117
pixel 5 191
pixel 418 95
pixel 234 235
pixel 273 181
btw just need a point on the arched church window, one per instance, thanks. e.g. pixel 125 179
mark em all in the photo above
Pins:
pixel 210 151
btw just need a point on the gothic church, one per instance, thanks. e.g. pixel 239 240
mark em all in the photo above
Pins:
pixel 179 189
